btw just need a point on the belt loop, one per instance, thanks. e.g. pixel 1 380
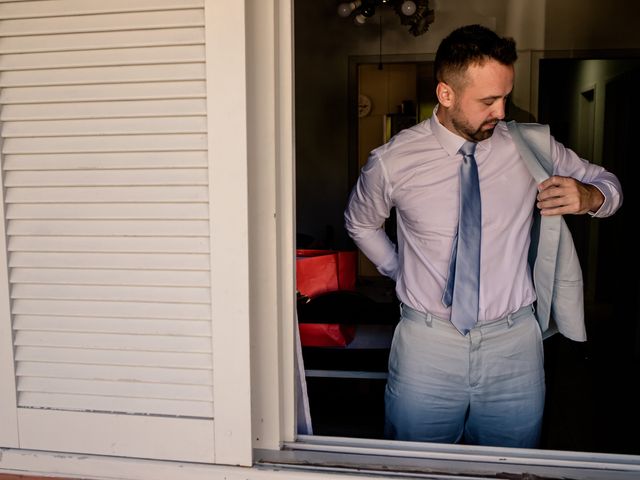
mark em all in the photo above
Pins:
pixel 510 319
pixel 428 320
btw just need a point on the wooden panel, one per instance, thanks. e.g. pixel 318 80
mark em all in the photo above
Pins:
pixel 49 211
pixel 162 193
pixel 112 276
pixel 112 143
pixel 175 176
pixel 157 343
pixel 113 325
pixel 126 293
pixel 92 41
pixel 114 373
pixel 110 244
pixel 87 93
pixel 105 177
pixel 112 309
pixel 119 435
pixel 103 161
pixel 9 433
pixel 101 75
pixel 109 357
pixel 109 228
pixel 111 56
pixel 114 388
pixel 44 8
pixel 103 23
pixel 129 126
pixel 149 261
pixel 121 109
pixel 104 403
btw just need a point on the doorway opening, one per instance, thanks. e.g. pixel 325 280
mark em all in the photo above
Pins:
pixel 591 106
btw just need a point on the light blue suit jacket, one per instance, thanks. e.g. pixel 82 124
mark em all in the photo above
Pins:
pixel 556 271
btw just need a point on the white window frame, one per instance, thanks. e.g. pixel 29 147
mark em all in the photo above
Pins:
pixel 226 73
pixel 260 290
pixel 299 451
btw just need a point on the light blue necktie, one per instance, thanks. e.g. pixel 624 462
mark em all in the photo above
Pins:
pixel 463 284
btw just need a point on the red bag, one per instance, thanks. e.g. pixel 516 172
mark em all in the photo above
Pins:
pixel 320 271
pixel 326 334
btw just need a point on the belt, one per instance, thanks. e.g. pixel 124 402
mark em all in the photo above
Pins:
pixel 413 314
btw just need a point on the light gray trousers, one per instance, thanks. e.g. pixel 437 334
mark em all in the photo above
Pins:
pixel 485 388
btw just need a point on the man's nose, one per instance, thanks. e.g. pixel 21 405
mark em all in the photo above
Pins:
pixel 499 110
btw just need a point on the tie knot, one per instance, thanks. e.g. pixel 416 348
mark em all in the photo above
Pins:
pixel 468 148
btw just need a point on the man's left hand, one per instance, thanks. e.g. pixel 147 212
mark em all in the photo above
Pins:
pixel 560 195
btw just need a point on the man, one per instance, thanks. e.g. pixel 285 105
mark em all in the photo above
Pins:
pixel 466 362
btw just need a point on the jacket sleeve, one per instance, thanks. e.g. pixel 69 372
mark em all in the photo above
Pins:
pixel 567 163
pixel 368 207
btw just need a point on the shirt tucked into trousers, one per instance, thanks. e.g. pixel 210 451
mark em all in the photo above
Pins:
pixel 485 387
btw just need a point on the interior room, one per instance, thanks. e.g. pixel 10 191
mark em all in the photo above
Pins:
pixel 358 82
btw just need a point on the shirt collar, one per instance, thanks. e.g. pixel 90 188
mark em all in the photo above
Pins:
pixel 450 141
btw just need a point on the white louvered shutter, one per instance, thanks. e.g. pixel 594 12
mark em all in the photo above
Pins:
pixel 106 203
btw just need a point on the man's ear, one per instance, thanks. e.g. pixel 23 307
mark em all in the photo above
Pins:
pixel 445 94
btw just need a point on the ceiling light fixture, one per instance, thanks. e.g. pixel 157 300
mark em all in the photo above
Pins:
pixel 414 13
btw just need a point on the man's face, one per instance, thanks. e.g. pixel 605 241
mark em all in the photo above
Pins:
pixel 479 103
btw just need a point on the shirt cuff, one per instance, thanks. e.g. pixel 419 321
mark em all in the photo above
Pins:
pixel 602 208
pixel 389 268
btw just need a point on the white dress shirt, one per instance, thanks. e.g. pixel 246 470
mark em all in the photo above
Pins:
pixel 417 172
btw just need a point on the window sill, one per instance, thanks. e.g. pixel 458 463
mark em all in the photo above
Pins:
pixel 419 460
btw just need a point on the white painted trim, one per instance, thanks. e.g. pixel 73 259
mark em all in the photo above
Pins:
pixel 296 466
pixel 261 141
pixel 271 219
pixel 141 436
pixel 8 402
pixel 468 453
pixel 285 192
pixel 228 187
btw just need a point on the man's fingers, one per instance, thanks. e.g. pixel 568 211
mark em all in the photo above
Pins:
pixel 554 181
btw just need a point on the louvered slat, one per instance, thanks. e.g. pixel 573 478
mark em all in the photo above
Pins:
pixel 127 108
pixel 104 245
pixel 50 211
pixel 106 357
pixel 122 325
pixel 92 41
pixel 163 193
pixel 129 56
pixel 102 92
pixel 107 22
pixel 146 406
pixel 104 158
pixel 112 126
pixel 101 292
pixel 44 8
pixel 172 343
pixel 112 276
pixel 115 373
pixel 109 228
pixel 147 261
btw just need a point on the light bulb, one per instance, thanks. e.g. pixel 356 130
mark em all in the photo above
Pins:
pixel 408 8
pixel 359 19
pixel 368 11
pixel 344 10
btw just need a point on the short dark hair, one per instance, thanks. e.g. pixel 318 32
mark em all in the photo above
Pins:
pixel 468 45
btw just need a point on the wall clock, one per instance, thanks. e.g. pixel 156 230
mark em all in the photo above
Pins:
pixel 364 105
